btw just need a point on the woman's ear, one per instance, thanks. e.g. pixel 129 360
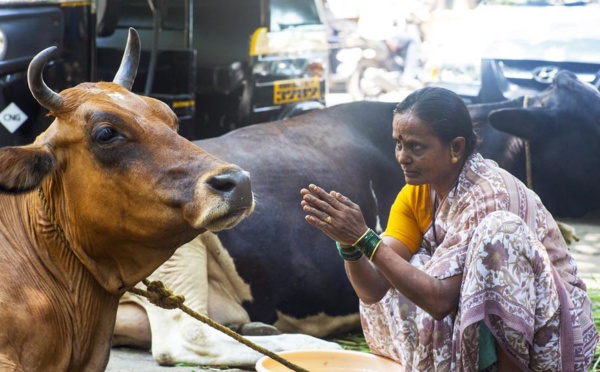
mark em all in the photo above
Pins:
pixel 457 149
pixel 458 146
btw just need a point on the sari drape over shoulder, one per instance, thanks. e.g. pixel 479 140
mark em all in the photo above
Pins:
pixel 518 278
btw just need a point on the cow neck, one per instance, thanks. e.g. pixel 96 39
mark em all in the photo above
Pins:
pixel 109 278
pixel 64 259
pixel 82 314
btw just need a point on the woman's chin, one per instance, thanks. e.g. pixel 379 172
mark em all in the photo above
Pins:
pixel 412 180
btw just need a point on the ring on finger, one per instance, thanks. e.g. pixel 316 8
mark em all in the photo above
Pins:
pixel 327 219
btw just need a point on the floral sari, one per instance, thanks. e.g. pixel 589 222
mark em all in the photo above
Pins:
pixel 518 278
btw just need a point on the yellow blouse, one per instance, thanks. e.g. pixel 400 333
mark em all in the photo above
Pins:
pixel 410 215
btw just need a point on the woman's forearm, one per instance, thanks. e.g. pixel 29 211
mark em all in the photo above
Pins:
pixel 437 297
pixel 368 283
pixel 341 219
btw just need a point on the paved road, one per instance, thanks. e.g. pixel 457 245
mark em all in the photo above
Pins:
pixel 586 252
pixel 129 360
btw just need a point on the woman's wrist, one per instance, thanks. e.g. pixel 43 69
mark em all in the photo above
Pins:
pixel 348 253
pixel 362 236
pixel 368 244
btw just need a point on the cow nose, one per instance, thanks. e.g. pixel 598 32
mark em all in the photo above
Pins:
pixel 233 185
pixel 221 199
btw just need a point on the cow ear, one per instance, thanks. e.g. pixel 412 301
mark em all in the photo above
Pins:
pixel 23 168
pixel 528 124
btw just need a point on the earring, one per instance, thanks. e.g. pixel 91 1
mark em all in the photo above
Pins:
pixel 454 158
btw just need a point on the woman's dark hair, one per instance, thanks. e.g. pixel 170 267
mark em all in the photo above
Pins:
pixel 444 111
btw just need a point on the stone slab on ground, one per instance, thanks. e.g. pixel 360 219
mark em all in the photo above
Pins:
pixel 134 360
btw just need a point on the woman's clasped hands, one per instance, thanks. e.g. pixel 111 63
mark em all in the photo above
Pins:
pixel 334 214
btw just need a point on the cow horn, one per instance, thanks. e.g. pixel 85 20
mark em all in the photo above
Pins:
pixel 129 64
pixel 44 95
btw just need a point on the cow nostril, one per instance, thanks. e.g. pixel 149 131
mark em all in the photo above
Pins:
pixel 223 182
pixel 234 185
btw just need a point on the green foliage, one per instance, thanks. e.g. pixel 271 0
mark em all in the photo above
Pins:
pixel 352 341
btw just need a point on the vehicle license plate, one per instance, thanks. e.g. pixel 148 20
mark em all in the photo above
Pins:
pixel 285 91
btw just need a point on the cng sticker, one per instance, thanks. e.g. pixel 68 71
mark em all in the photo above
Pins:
pixel 12 117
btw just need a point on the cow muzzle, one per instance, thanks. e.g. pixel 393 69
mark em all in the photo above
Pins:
pixel 222 199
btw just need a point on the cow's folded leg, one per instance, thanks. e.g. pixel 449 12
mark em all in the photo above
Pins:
pixel 179 338
pixel 132 327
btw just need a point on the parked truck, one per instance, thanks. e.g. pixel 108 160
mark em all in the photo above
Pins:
pixel 219 64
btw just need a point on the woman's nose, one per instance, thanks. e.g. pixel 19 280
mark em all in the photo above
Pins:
pixel 402 157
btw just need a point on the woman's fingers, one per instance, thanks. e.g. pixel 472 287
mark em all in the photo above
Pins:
pixel 327 202
pixel 316 203
pixel 316 213
pixel 318 198
pixel 332 213
pixel 342 199
pixel 333 198
pixel 329 198
pixel 321 225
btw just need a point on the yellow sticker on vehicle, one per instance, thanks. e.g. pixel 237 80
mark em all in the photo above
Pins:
pixel 293 90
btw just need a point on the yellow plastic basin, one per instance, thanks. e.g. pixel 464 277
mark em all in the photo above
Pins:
pixel 329 361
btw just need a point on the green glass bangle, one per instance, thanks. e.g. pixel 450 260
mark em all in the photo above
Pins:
pixel 368 244
pixel 349 253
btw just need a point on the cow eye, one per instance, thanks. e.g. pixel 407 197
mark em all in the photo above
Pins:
pixel 106 135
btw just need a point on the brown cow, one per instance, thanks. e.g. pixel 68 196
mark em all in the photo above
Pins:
pixel 100 200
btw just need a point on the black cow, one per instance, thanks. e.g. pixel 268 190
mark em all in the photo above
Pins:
pixel 562 125
pixel 295 276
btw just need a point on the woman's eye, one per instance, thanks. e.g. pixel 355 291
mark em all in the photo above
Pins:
pixel 106 135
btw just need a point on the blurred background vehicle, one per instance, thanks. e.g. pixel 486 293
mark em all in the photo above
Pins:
pixel 219 64
pixel 344 52
pixel 247 62
pixel 375 50
pixel 224 64
pixel 26 28
pixel 504 49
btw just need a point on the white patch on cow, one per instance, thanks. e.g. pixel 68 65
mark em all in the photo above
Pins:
pixel 116 96
pixel 226 289
pixel 378 227
pixel 320 325
pixel 205 273
pixel 198 343
pixel 179 338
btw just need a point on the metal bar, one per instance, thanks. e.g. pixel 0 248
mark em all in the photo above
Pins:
pixel 189 24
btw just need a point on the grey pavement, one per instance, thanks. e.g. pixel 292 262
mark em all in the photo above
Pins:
pixel 132 360
pixel 587 250
pixel 586 253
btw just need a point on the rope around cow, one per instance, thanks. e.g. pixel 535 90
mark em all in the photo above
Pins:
pixel 161 296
